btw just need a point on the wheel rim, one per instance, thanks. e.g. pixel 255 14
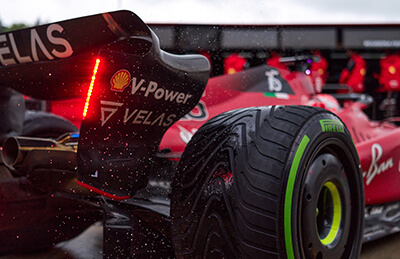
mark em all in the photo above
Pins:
pixel 326 199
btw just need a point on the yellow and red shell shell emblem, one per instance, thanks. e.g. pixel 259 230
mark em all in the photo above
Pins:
pixel 120 80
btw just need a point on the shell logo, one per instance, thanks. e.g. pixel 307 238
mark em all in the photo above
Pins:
pixel 120 80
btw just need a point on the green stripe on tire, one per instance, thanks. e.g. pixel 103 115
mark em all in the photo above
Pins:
pixel 289 196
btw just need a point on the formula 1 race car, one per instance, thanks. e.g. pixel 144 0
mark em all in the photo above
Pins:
pixel 253 164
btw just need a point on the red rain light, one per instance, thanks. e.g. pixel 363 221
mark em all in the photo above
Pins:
pixel 89 94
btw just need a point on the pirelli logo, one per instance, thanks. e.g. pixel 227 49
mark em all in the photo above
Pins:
pixel 331 126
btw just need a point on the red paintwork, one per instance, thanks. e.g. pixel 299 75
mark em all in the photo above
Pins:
pixel 69 109
pixel 389 77
pixel 218 98
pixel 382 187
pixel 234 63
pixel 353 74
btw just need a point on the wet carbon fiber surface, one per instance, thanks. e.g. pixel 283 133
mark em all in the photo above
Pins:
pixel 89 244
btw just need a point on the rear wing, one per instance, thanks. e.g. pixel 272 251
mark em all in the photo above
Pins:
pixel 54 61
pixel 135 91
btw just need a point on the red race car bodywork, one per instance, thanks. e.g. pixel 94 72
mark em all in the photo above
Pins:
pixel 376 142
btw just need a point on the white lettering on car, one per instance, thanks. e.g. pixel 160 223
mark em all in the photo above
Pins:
pixel 135 116
pixel 20 59
pixel 58 41
pixel 274 84
pixel 375 168
pixel 157 92
pixel 4 51
pixel 146 117
pixel 36 40
pixel 10 48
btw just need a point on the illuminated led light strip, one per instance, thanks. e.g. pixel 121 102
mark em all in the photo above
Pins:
pixel 89 94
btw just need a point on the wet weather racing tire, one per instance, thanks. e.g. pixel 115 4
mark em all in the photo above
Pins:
pixel 269 182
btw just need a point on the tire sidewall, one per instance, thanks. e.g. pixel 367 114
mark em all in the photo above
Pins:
pixel 309 142
pixel 259 147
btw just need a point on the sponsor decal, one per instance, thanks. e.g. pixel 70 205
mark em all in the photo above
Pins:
pixel 135 116
pixel 199 113
pixel 331 126
pixel 377 168
pixel 108 109
pixel 153 89
pixel 146 117
pixel 10 53
pixel 120 80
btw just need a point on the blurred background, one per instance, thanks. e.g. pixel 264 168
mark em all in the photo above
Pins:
pixel 208 11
